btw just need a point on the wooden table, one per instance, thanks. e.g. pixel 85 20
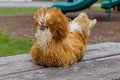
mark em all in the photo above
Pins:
pixel 101 62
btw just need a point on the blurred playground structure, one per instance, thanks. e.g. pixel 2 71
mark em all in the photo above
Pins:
pixel 68 6
pixel 76 5
pixel 72 6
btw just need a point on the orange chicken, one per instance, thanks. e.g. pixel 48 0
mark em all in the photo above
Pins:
pixel 59 42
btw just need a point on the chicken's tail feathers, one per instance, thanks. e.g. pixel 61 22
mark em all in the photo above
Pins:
pixel 92 23
pixel 83 14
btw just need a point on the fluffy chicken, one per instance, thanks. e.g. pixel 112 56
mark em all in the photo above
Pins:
pixel 59 43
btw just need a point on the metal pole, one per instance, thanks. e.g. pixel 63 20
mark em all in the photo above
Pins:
pixel 109 12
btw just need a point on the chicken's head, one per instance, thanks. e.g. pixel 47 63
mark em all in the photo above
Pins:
pixel 54 20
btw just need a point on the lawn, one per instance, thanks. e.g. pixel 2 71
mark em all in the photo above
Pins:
pixel 16 11
pixel 22 11
pixel 96 8
pixel 11 45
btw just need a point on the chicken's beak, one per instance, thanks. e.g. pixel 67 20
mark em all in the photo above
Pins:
pixel 42 26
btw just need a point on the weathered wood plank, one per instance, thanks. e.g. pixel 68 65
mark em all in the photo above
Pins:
pixel 21 66
pixel 102 50
pixel 107 69
pixel 14 64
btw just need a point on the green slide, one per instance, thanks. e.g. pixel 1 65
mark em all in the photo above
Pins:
pixel 74 6
pixel 106 4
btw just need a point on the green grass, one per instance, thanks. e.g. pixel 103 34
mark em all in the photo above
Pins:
pixel 16 11
pixel 99 1
pixel 10 45
pixel 22 11
pixel 96 8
